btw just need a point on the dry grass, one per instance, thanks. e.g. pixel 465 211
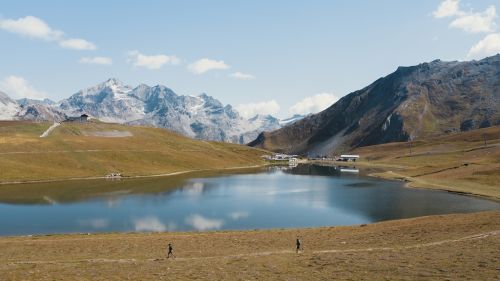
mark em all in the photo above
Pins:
pixel 459 162
pixel 451 247
pixel 71 151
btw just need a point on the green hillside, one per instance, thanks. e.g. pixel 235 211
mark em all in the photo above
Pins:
pixel 93 149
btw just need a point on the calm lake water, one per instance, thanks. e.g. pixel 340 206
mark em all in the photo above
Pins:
pixel 304 196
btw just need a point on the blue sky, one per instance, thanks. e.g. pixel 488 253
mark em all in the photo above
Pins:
pixel 278 57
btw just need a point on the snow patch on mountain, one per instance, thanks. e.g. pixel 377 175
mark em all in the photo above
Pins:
pixel 8 107
pixel 201 117
pixel 291 120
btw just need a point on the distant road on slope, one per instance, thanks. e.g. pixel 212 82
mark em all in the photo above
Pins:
pixel 49 130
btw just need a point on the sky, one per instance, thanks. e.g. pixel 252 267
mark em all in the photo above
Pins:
pixel 269 57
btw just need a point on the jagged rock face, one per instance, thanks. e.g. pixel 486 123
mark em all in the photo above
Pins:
pixel 411 103
pixel 40 112
pixel 109 101
pixel 28 109
pixel 201 117
pixel 261 123
pixel 25 101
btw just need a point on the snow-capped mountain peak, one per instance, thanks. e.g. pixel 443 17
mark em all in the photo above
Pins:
pixel 111 86
pixel 201 116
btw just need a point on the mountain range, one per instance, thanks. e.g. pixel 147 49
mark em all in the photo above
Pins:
pixel 411 103
pixel 201 117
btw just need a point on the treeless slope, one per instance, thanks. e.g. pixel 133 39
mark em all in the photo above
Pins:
pixel 458 162
pixel 78 150
pixel 411 103
pixel 454 247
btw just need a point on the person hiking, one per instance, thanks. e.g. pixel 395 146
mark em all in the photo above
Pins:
pixel 170 251
pixel 298 245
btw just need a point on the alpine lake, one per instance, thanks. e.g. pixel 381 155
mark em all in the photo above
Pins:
pixel 271 197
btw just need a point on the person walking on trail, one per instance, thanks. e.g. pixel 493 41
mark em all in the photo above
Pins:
pixel 298 245
pixel 170 251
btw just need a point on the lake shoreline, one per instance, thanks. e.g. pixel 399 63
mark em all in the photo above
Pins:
pixel 436 247
pixel 386 172
pixel 132 177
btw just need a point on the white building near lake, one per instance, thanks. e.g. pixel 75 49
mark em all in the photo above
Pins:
pixel 348 157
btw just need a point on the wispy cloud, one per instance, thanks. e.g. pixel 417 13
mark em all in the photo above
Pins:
pixel 138 59
pixel 488 46
pixel 476 22
pixel 469 21
pixel 77 44
pixel 36 28
pixel 241 76
pixel 248 110
pixel 313 104
pixel 473 22
pixel 205 64
pixel 202 223
pixel 448 8
pixel 96 60
pixel 32 27
pixel 19 87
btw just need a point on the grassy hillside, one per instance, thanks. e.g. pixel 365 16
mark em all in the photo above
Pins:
pixel 451 247
pixel 458 162
pixel 75 150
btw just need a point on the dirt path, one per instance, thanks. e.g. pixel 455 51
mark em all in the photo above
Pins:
pixel 448 247
pixel 267 253
pixel 49 130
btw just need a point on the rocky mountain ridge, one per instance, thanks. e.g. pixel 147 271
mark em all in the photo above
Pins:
pixel 201 117
pixel 411 103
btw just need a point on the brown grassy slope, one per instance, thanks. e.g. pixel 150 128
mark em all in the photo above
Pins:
pixel 458 162
pixel 412 102
pixel 72 150
pixel 454 247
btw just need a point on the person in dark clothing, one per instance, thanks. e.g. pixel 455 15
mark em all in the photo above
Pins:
pixel 170 251
pixel 298 245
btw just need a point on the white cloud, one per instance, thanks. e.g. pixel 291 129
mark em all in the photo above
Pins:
pixel 30 26
pixel 96 60
pixel 151 62
pixel 448 8
pixel 77 44
pixel 201 223
pixel 149 224
pixel 488 46
pixel 242 76
pixel 204 65
pixel 313 104
pixel 34 27
pixel 476 22
pixel 251 109
pixel 238 215
pixel 469 21
pixel 20 88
